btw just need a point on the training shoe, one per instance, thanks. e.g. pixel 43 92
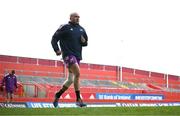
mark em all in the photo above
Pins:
pixel 80 103
pixel 55 103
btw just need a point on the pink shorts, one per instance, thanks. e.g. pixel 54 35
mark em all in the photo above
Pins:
pixel 69 60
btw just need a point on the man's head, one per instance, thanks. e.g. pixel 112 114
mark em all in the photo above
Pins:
pixel 74 18
pixel 12 72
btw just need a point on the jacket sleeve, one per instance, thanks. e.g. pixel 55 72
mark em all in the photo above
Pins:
pixel 3 81
pixel 56 37
pixel 15 82
pixel 54 42
pixel 86 38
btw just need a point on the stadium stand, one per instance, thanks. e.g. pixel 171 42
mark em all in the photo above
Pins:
pixel 39 79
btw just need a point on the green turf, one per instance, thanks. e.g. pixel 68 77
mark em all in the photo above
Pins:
pixel 171 111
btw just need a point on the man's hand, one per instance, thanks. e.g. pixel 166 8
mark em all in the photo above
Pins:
pixel 83 40
pixel 58 53
pixel 1 88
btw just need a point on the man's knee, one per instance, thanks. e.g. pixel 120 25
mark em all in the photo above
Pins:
pixel 75 70
pixel 77 74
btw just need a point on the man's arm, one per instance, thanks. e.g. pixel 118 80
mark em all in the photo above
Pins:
pixel 56 37
pixel 2 83
pixel 84 39
pixel 15 82
pixel 3 80
pixel 54 41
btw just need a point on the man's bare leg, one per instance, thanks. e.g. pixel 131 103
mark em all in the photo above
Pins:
pixel 66 85
pixel 76 71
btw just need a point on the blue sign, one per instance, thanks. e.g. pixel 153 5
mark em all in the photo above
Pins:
pixel 39 105
pixel 48 105
pixel 148 97
pixel 110 96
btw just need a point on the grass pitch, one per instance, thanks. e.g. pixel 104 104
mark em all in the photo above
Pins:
pixel 93 111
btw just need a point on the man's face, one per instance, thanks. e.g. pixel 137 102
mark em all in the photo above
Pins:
pixel 74 18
